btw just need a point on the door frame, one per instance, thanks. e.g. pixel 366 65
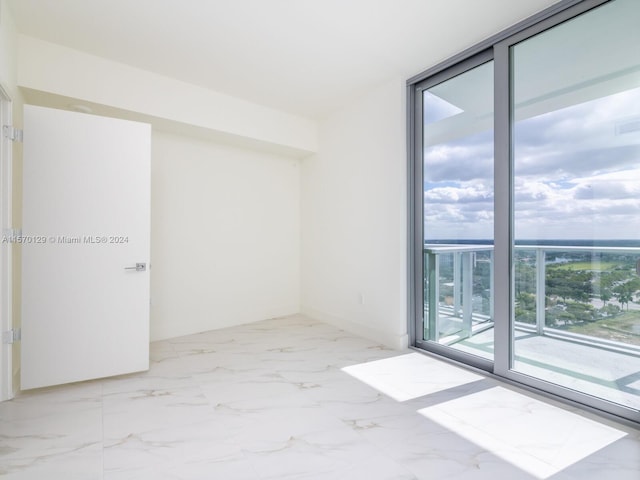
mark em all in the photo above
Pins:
pixel 6 248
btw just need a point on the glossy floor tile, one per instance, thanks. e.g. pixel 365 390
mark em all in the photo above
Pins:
pixel 292 398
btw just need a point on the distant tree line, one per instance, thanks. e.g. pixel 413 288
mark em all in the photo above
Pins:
pixel 569 292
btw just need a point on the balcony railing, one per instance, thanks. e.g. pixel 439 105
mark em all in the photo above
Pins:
pixel 464 295
pixel 462 265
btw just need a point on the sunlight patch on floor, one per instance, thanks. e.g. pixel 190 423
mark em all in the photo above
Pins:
pixel 411 376
pixel 535 436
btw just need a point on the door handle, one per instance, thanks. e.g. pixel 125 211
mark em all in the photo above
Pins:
pixel 140 267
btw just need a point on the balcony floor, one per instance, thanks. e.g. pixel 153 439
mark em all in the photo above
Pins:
pixel 602 373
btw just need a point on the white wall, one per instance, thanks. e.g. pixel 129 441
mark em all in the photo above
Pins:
pixel 51 68
pixel 233 228
pixel 8 43
pixel 225 219
pixel 225 233
pixel 354 218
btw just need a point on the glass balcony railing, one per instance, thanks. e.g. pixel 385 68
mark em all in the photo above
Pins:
pixel 585 294
pixel 459 282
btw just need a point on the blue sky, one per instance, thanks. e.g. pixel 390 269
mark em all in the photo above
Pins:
pixel 576 176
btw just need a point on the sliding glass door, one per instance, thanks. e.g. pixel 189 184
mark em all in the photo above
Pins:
pixel 526 205
pixel 575 116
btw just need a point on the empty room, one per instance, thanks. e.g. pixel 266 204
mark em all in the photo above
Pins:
pixel 305 239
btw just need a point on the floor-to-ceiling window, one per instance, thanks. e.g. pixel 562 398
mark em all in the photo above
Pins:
pixel 526 205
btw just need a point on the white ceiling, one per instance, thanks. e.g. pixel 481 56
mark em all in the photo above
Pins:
pixel 301 56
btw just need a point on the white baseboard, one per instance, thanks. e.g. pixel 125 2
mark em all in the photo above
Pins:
pixel 394 341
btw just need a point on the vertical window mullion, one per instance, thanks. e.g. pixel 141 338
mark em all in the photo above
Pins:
pixel 502 210
pixel 418 248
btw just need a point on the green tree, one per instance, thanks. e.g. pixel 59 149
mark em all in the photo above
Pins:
pixel 605 296
pixel 525 308
pixel 624 294
pixel 582 312
pixel 569 284
pixel 525 281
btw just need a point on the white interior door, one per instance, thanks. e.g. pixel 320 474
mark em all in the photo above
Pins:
pixel 86 224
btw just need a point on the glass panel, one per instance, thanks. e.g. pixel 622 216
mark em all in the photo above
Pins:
pixel 576 181
pixel 458 212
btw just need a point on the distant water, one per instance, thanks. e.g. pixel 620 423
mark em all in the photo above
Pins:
pixel 576 243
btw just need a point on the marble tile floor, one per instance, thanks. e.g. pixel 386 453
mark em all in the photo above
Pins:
pixel 292 398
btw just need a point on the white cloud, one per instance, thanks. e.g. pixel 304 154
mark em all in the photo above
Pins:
pixel 461 194
pixel 575 177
